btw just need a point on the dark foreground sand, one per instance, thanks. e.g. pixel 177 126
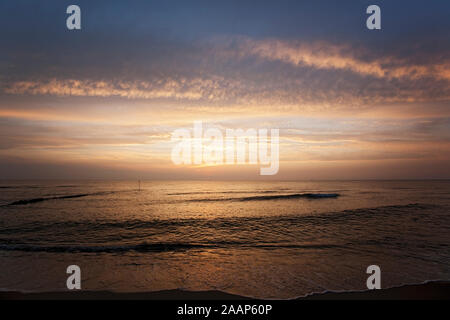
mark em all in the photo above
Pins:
pixel 428 291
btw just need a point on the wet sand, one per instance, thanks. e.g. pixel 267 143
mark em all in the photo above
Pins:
pixel 427 291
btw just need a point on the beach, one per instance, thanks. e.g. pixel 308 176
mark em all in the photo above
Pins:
pixel 426 291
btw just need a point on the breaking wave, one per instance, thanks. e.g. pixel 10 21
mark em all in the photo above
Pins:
pixel 71 196
pixel 273 197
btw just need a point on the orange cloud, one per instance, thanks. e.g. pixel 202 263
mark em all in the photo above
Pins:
pixel 322 55
pixel 192 89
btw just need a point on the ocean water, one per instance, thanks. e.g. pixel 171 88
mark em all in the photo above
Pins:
pixel 257 239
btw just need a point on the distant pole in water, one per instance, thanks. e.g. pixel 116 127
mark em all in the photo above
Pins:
pixel 139 185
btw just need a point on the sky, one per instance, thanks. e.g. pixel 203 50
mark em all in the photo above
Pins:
pixel 103 101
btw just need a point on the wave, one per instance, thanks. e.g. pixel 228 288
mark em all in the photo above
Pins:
pixel 156 247
pixel 71 196
pixel 143 247
pixel 29 201
pixel 297 232
pixel 222 192
pixel 37 186
pixel 20 187
pixel 250 198
pixel 273 197
pixel 67 186
pixel 223 222
pixel 292 196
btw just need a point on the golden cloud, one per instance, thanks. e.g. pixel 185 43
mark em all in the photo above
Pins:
pixel 323 55
pixel 192 89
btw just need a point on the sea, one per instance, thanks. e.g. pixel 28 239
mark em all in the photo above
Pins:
pixel 270 240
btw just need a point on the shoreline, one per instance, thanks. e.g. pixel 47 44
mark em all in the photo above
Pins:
pixel 435 290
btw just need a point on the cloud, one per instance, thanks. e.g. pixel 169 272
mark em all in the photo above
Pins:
pixel 226 74
pixel 322 55
pixel 188 89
